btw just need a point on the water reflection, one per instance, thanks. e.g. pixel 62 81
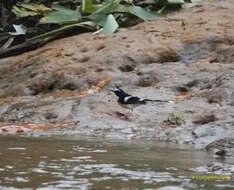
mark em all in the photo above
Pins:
pixel 55 163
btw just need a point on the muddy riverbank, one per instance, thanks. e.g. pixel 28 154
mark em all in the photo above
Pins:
pixel 186 57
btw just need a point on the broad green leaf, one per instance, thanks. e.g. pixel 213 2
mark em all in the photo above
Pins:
pixel 151 1
pixel 175 1
pixel 196 1
pixel 188 5
pixel 87 6
pixel 19 30
pixel 101 14
pixel 142 13
pixel 100 19
pixel 61 15
pixel 115 7
pixel 108 7
pixel 110 25
pixel 54 33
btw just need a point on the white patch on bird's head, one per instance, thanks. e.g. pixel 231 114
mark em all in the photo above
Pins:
pixel 115 90
pixel 118 92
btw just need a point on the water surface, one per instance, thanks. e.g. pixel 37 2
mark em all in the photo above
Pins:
pixel 55 163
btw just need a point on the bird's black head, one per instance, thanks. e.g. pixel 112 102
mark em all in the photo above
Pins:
pixel 118 91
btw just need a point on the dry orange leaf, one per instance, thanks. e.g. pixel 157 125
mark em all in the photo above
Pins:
pixel 96 88
pixel 208 60
pixel 24 128
pixel 188 96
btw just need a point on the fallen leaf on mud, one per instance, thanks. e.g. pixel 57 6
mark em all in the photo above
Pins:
pixel 186 142
pixel 96 88
pixel 181 93
pixel 183 97
pixel 24 128
pixel 14 128
pixel 122 116
pixel 119 114
pixel 186 96
pixel 61 93
pixel 100 85
pixel 19 131
pixel 168 126
pixel 208 60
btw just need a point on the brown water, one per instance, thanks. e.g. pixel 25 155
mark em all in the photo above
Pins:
pixel 55 163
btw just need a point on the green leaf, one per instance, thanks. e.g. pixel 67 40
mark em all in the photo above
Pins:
pixel 150 1
pixel 61 15
pixel 175 1
pixel 110 25
pixel 87 6
pixel 115 7
pixel 100 19
pixel 108 7
pixel 54 33
pixel 142 13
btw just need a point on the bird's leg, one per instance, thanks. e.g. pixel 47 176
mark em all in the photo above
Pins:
pixel 129 113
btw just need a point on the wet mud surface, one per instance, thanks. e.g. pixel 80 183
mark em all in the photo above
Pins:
pixel 186 57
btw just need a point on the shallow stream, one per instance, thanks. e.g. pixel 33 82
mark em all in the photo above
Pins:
pixel 55 163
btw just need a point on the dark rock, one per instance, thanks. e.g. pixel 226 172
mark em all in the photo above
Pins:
pixel 126 63
pixel 216 168
pixel 225 51
pixel 182 89
pixel 232 99
pixel 204 118
pixel 148 79
pixel 168 56
pixel 127 68
pixel 49 115
pixel 220 152
pixel 218 96
pixel 222 147
pixel 195 52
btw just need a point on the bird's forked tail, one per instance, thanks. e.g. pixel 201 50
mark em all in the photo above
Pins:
pixel 165 101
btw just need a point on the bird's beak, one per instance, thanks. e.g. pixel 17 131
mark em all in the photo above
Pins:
pixel 112 89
